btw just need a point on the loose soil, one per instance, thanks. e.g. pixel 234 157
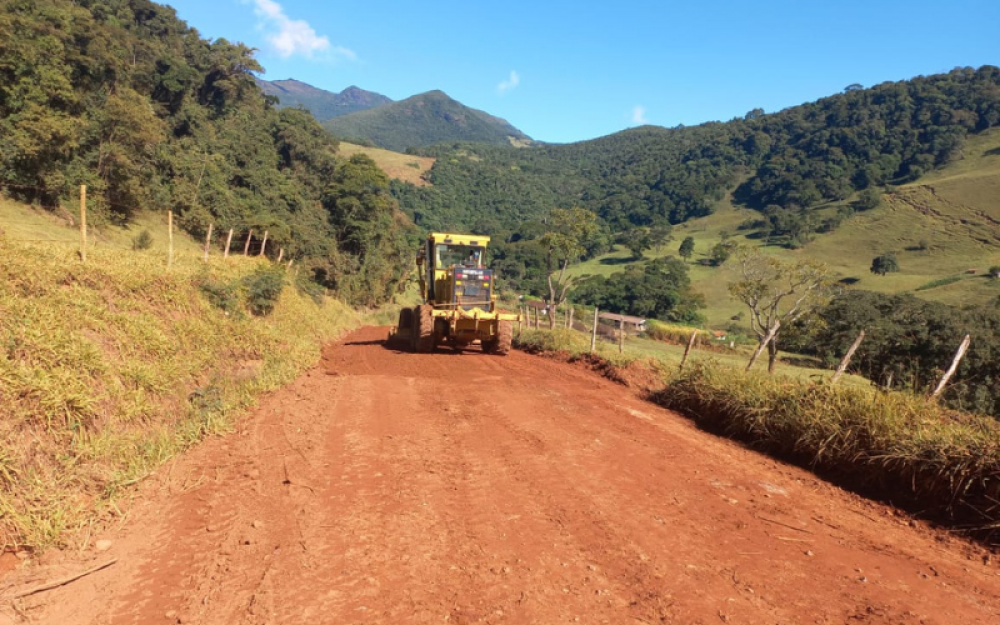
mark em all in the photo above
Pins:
pixel 389 487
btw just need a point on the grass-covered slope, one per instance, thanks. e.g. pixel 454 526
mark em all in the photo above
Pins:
pixel 406 168
pixel 940 227
pixel 109 367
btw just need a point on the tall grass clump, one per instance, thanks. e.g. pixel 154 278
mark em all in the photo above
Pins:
pixel 672 333
pixel 896 446
pixel 109 368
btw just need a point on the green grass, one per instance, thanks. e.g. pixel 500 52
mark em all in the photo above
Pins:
pixel 110 367
pixel 952 210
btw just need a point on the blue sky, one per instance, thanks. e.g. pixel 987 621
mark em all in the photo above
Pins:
pixel 568 71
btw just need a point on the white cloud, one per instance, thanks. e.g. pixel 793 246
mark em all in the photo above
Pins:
pixel 291 37
pixel 639 115
pixel 510 83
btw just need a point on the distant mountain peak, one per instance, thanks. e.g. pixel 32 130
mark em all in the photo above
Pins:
pixel 425 119
pixel 321 103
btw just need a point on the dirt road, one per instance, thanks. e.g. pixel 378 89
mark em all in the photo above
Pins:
pixel 386 487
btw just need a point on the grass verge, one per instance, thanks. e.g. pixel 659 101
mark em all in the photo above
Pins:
pixel 109 368
pixel 907 450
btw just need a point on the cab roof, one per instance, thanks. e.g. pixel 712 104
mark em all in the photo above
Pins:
pixel 459 239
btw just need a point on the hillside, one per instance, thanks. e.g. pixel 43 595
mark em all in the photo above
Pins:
pixel 183 127
pixel 953 213
pixel 321 103
pixel 422 120
pixel 405 168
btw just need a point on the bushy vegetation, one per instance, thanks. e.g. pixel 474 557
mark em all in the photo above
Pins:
pixel 109 368
pixel 660 289
pixel 124 97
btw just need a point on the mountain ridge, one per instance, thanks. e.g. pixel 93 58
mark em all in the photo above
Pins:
pixel 321 103
pixel 425 119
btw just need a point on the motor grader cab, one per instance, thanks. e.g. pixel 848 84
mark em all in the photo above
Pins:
pixel 459 306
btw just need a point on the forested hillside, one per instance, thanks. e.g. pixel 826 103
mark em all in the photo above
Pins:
pixel 124 97
pixel 784 164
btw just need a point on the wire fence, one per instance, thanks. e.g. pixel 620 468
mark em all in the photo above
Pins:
pixel 243 241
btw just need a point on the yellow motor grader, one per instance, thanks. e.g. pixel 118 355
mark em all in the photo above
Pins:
pixel 459 306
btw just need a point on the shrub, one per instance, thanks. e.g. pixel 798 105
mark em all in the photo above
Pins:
pixel 142 241
pixel 264 287
pixel 222 295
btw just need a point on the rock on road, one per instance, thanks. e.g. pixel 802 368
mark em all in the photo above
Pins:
pixel 388 487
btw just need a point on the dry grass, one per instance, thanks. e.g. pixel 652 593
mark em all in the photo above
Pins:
pixel 111 367
pixel 395 164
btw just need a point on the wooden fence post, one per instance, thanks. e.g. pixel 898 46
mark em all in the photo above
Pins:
pixel 83 222
pixel 246 248
pixel 263 244
pixel 593 332
pixel 208 241
pixel 536 318
pixel 229 239
pixel 569 318
pixel 842 367
pixel 621 334
pixel 954 366
pixel 687 350
pixel 170 238
pixel 281 254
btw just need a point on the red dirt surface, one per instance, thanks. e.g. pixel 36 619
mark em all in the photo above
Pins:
pixel 388 487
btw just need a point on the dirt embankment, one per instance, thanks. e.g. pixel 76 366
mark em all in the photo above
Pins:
pixel 387 487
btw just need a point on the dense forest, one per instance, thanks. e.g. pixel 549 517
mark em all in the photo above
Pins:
pixel 790 165
pixel 124 97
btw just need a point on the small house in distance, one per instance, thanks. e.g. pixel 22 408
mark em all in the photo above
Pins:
pixel 631 324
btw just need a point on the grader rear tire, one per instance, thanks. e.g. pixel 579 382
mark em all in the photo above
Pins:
pixel 423 329
pixel 505 337
pixel 500 345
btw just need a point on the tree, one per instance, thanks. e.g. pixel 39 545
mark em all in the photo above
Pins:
pixel 659 235
pixel 869 199
pixel 564 243
pixel 777 294
pixel 721 252
pixel 637 240
pixel 687 248
pixel 885 263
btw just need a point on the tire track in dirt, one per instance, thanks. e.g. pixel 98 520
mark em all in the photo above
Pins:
pixel 386 487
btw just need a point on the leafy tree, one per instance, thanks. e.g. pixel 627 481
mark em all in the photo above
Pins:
pixel 869 199
pixel 660 289
pixel 884 263
pixel 776 294
pixel 659 235
pixel 687 248
pixel 637 241
pixel 564 242
pixel 721 252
